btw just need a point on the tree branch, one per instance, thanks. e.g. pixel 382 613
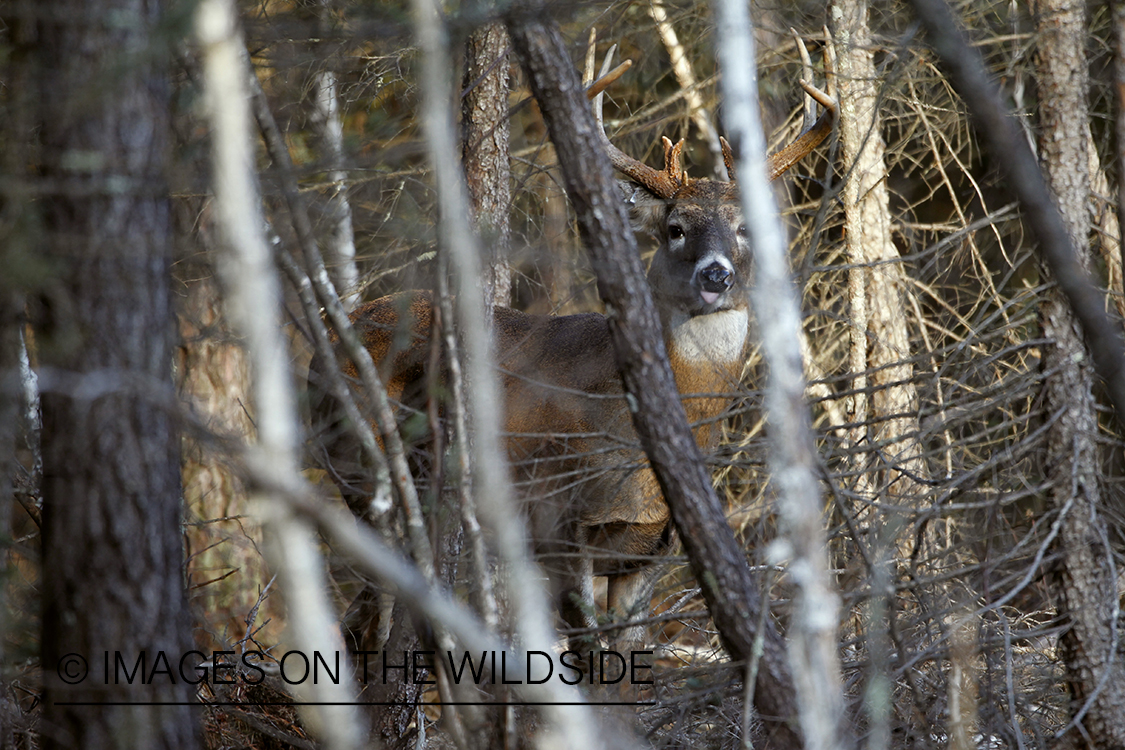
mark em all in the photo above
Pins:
pixel 658 415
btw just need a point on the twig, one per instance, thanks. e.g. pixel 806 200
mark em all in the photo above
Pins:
pixel 574 724
pixel 326 294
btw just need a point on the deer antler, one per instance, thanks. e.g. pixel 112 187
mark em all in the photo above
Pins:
pixel 666 182
pixel 813 135
pixel 607 79
pixel 663 183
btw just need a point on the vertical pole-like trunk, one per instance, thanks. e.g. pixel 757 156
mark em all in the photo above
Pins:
pixel 879 355
pixel 486 158
pixel 572 724
pixel 339 245
pixel 226 570
pixel 880 347
pixel 486 154
pixel 112 551
pixel 1095 671
pixel 812 638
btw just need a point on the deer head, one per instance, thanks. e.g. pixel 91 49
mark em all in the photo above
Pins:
pixel 702 264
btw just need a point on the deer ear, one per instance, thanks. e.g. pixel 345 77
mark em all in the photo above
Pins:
pixel 646 209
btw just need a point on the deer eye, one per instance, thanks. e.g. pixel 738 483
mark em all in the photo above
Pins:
pixel 675 232
pixel 742 231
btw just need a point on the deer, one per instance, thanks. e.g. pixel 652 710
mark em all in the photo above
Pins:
pixel 592 504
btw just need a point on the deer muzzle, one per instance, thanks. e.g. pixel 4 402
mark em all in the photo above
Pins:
pixel 714 280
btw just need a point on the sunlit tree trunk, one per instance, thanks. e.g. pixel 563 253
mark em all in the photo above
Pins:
pixel 226 570
pixel 253 303
pixel 880 346
pixel 485 135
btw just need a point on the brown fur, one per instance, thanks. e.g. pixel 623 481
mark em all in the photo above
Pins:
pixel 593 504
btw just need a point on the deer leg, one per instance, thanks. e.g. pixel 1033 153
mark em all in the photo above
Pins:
pixel 561 553
pixel 576 591
pixel 629 597
pixel 630 585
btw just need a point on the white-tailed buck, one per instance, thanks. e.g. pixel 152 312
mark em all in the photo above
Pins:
pixel 593 505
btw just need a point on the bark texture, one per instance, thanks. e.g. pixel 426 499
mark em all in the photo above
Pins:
pixel 880 347
pixel 1092 655
pixel 112 551
pixel 226 569
pixel 486 157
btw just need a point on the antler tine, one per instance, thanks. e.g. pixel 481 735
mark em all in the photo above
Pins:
pixel 588 68
pixel 829 64
pixel 814 135
pixel 826 98
pixel 607 80
pixel 728 159
pixel 672 160
pixel 596 100
pixel 659 182
pixel 807 75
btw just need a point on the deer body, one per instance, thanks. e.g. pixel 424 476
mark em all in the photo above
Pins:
pixel 591 501
pixel 593 504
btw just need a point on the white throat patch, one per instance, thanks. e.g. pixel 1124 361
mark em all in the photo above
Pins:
pixel 719 337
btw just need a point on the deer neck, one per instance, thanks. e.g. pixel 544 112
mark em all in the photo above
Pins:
pixel 713 342
pixel 706 353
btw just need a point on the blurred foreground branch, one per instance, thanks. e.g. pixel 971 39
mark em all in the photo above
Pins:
pixel 573 723
pixel 717 560
pixel 253 297
pixel 813 642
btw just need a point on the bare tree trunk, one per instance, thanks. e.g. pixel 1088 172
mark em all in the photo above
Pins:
pixel 718 563
pixel 486 159
pixel 812 635
pixel 375 621
pixel 486 153
pixel 1092 644
pixel 339 247
pixel 880 345
pixel 570 724
pixel 111 547
pixel 226 569
pixel 879 355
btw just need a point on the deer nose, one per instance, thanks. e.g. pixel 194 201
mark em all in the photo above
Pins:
pixel 716 278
